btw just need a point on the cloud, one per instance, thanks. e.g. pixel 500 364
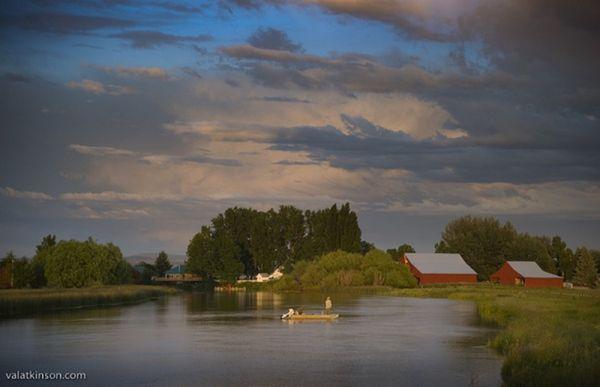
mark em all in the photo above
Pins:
pixel 191 72
pixel 101 150
pixel 152 39
pixel 96 87
pixel 111 196
pixel 29 195
pixel 64 23
pixel 153 159
pixel 273 39
pixel 85 212
pixel 15 77
pixel 284 99
pixel 140 72
pixel 417 19
pixel 251 52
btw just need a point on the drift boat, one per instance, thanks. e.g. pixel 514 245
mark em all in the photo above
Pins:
pixel 312 317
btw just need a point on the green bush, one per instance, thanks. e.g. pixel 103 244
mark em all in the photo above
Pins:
pixel 342 269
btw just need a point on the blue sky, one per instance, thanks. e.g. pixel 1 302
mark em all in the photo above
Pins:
pixel 137 121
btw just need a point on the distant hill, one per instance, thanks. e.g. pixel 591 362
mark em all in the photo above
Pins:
pixel 175 259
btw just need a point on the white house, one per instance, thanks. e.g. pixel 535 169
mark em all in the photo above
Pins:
pixel 262 277
pixel 277 274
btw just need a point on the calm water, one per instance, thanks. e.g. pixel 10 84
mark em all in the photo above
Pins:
pixel 238 339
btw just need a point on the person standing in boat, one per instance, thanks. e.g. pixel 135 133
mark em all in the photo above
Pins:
pixel 328 305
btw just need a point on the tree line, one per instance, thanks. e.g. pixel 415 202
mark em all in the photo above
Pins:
pixel 72 263
pixel 245 241
pixel 485 243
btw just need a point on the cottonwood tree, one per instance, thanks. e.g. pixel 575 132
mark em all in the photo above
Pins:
pixel 398 253
pixel 162 264
pixel 482 242
pixel 586 272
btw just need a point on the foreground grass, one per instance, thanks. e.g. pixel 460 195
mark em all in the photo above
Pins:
pixel 549 337
pixel 14 302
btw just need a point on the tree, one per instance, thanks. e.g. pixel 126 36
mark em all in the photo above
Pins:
pixel 525 247
pixel 266 240
pixel 6 270
pixel 563 257
pixel 200 254
pixel 586 272
pixel 596 255
pixel 225 252
pixel 398 253
pixel 85 263
pixel 482 242
pixel 365 247
pixel 38 261
pixel 162 264
pixel 213 255
pixel 22 273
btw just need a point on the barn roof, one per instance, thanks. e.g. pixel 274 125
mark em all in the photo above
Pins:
pixel 439 263
pixel 530 269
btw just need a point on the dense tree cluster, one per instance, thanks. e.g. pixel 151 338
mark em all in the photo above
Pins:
pixel 398 253
pixel 75 264
pixel 66 264
pixel 485 243
pixel 247 241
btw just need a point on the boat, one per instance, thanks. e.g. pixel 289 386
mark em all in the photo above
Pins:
pixel 312 317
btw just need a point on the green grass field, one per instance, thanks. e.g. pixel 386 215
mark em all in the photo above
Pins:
pixel 15 302
pixel 548 337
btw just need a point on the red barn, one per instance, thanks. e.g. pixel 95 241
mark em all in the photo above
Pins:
pixel 435 268
pixel 526 273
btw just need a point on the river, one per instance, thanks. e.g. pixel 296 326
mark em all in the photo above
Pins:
pixel 216 339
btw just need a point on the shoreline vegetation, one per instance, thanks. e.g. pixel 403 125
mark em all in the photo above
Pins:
pixel 547 336
pixel 19 302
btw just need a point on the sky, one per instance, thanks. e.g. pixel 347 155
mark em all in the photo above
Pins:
pixel 136 122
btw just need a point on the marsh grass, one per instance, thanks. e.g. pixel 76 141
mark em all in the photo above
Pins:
pixel 549 337
pixel 17 302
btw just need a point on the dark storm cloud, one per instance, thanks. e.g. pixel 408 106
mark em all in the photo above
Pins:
pixel 273 39
pixel 442 159
pixel 15 77
pixel 104 4
pixel 404 16
pixel 63 23
pixel 152 39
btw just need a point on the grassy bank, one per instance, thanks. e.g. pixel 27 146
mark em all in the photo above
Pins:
pixel 549 337
pixel 14 302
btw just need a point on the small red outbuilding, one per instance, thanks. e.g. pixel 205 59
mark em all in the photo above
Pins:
pixel 436 268
pixel 526 273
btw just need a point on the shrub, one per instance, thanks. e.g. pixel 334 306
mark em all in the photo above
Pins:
pixel 340 268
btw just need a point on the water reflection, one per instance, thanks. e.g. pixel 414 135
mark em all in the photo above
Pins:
pixel 238 338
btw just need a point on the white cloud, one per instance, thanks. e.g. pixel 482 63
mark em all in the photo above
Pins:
pixel 96 87
pixel 101 150
pixel 31 195
pixel 140 72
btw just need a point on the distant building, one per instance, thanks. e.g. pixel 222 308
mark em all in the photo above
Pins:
pixel 277 274
pixel 177 273
pixel 434 268
pixel 526 273
pixel 262 277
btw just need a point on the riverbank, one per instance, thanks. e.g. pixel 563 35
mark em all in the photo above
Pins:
pixel 17 302
pixel 548 337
